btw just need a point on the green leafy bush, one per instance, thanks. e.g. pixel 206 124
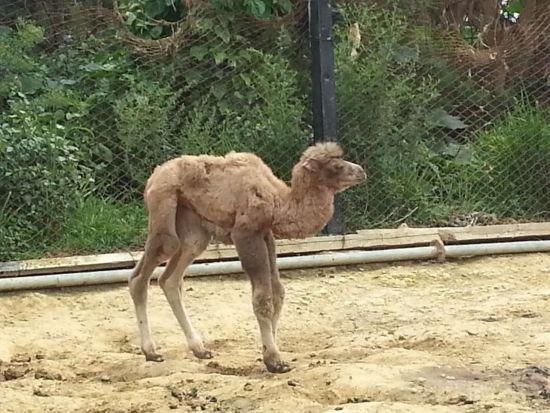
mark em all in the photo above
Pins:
pixel 263 9
pixel 42 170
pixel 511 165
pixel 392 103
pixel 266 116
pixel 143 137
pixel 150 19
pixel 19 71
pixel 40 165
pixel 143 17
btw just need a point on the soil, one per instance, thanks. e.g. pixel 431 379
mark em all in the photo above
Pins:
pixel 461 336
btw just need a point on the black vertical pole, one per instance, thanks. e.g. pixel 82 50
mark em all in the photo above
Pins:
pixel 323 87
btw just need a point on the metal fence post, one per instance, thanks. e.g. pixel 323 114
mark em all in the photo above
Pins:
pixel 323 88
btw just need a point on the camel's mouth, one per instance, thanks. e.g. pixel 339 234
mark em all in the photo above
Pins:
pixel 358 177
pixel 355 182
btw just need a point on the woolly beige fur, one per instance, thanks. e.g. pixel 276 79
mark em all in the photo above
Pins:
pixel 192 200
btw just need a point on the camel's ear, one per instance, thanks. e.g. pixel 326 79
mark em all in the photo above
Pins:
pixel 312 164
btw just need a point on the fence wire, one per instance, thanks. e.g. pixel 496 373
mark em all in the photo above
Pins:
pixel 446 103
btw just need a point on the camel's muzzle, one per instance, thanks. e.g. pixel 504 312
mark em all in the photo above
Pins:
pixel 358 174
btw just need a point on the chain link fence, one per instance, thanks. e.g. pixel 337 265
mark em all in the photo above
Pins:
pixel 446 104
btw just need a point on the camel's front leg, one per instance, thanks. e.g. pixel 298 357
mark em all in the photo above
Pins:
pixel 253 253
pixel 276 286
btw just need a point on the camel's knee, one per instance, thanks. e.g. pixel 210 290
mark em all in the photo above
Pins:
pixel 168 284
pixel 138 293
pixel 138 283
pixel 169 245
pixel 161 247
pixel 135 274
pixel 262 303
pixel 162 283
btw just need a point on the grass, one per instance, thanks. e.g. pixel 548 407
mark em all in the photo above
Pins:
pixel 95 226
pixel 99 226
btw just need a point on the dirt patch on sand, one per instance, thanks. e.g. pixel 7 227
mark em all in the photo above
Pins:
pixel 463 336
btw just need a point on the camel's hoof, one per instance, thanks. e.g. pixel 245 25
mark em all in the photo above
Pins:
pixel 154 357
pixel 279 367
pixel 203 354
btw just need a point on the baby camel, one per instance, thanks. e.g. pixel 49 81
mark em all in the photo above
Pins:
pixel 237 199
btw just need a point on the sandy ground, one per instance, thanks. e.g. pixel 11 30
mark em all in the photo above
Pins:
pixel 463 336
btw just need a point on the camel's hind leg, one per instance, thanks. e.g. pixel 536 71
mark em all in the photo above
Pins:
pixel 162 243
pixel 253 253
pixel 193 241
pixel 276 286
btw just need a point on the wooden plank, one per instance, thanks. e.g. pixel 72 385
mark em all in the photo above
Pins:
pixel 64 264
pixel 495 232
pixel 473 233
pixel 364 239
pixel 214 252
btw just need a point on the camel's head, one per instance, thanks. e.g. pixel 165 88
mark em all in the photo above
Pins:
pixel 323 164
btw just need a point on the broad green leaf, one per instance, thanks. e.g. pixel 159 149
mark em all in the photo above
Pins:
pixel 206 23
pixel 223 33
pixel 465 154
pixel 130 18
pixel 93 67
pixel 30 84
pixel 156 32
pixel 246 79
pixel 449 149
pixel 285 5
pixel 256 7
pixel 104 152
pixel 514 7
pixel 219 56
pixel 219 89
pixel 198 52
pixel 441 118
pixel 154 8
pixel 232 61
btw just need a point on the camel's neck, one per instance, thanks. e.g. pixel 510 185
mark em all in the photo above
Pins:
pixel 304 213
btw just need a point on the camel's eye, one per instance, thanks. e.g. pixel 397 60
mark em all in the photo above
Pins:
pixel 334 169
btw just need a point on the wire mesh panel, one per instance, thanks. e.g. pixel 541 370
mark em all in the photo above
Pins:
pixel 95 94
pixel 447 103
